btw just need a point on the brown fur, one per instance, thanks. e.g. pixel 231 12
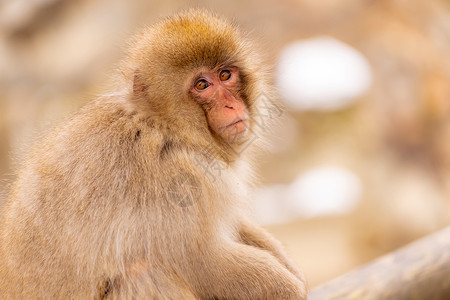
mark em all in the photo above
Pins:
pixel 96 210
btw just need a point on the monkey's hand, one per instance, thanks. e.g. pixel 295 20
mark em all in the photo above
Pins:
pixel 253 235
pixel 242 272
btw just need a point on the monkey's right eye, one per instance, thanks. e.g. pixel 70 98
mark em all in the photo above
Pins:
pixel 201 84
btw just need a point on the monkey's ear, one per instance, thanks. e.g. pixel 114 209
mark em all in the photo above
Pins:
pixel 139 86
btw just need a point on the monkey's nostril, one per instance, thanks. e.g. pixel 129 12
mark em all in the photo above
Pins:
pixel 230 107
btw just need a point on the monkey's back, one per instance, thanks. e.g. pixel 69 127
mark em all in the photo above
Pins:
pixel 86 204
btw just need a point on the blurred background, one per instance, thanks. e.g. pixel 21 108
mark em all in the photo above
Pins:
pixel 361 162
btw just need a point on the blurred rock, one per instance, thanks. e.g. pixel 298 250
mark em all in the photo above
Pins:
pixel 21 15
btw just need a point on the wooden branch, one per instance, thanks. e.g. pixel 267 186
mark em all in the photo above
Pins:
pixel 420 270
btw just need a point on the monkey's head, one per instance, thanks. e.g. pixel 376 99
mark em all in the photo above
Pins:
pixel 197 72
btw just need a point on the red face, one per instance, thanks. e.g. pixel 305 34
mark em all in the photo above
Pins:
pixel 217 92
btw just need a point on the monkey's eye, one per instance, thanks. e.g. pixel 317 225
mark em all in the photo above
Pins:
pixel 201 84
pixel 225 75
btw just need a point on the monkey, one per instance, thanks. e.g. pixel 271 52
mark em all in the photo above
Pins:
pixel 116 202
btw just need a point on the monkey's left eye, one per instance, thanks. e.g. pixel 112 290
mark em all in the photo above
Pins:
pixel 225 75
pixel 201 84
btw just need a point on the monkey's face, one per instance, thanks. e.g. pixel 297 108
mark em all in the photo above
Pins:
pixel 217 92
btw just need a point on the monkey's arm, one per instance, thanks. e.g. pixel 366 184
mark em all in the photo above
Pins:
pixel 253 235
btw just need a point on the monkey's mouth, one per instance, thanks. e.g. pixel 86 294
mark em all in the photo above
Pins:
pixel 237 127
pixel 235 122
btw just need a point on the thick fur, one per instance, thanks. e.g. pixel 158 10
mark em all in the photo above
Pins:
pixel 101 208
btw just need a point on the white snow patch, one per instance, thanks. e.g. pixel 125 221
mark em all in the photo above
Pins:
pixel 326 190
pixel 322 73
pixel 321 191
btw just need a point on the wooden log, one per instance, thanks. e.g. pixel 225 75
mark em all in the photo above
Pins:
pixel 418 271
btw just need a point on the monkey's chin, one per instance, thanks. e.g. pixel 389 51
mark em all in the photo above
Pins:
pixel 236 132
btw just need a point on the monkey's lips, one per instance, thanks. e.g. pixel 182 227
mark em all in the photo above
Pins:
pixel 236 128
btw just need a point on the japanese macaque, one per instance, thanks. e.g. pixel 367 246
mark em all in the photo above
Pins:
pixel 118 202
